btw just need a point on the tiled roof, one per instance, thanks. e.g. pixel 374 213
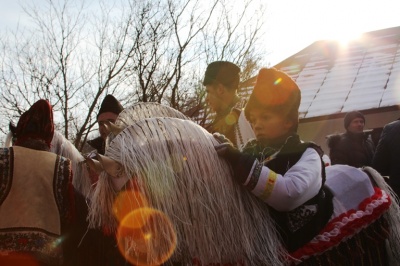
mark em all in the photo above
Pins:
pixel 334 79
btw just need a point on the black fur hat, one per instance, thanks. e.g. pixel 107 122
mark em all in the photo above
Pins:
pixel 223 72
pixel 110 104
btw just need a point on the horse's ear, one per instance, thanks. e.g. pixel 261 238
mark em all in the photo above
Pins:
pixel 112 128
pixel 112 167
pixel 94 165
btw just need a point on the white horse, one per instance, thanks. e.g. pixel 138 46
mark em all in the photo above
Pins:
pixel 175 168
pixel 176 172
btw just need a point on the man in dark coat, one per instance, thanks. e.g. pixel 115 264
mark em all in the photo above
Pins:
pixel 99 245
pixel 387 156
pixel 353 147
pixel 109 111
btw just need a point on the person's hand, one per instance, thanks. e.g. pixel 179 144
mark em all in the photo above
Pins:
pixel 221 138
pixel 226 149
pixel 241 164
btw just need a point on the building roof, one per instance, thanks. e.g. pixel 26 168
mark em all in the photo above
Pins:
pixel 335 79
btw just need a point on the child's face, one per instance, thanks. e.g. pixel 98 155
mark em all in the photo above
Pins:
pixel 269 125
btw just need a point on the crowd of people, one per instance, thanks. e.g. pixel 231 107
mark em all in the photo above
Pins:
pixel 258 138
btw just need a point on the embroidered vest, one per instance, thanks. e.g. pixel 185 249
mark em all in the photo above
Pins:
pixel 299 226
pixel 34 203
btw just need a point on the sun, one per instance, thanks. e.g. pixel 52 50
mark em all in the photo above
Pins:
pixel 344 38
pixel 343 35
pixel 341 23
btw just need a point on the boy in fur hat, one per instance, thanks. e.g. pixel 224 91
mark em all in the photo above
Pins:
pixel 353 147
pixel 277 153
pixel 222 82
pixel 289 176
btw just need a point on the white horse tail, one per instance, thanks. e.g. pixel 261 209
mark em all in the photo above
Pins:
pixel 392 216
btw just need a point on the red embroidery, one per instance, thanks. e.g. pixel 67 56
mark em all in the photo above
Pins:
pixel 347 225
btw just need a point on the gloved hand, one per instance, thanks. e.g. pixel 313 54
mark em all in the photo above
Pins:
pixel 221 138
pixel 241 163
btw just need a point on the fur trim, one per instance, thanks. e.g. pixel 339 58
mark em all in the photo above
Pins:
pixel 333 140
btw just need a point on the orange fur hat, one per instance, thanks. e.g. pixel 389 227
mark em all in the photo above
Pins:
pixel 277 91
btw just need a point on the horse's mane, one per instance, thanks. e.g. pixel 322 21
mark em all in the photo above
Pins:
pixel 179 172
pixel 143 110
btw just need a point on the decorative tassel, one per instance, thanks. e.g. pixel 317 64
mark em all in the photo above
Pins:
pixel 392 216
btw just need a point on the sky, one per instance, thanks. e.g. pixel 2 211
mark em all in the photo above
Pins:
pixel 291 25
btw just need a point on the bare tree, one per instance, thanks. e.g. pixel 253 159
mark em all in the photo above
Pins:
pixel 75 53
pixel 64 61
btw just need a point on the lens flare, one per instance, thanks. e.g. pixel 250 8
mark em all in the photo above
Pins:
pixel 146 237
pixel 231 119
pixel 277 81
pixel 127 201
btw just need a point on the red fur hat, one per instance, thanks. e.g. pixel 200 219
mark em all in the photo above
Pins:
pixel 36 123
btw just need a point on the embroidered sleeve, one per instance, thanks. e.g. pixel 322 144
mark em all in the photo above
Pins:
pixel 261 181
pixel 286 192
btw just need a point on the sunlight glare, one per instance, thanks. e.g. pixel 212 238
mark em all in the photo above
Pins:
pixel 345 37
